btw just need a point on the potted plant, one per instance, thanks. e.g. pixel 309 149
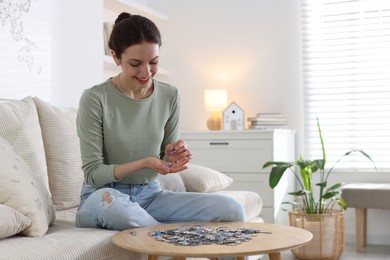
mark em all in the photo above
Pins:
pixel 314 209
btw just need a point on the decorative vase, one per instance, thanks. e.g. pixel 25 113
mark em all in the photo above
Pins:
pixel 328 231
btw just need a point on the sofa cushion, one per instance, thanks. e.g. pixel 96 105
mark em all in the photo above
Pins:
pixel 202 179
pixel 19 126
pixel 21 190
pixel 12 221
pixel 62 149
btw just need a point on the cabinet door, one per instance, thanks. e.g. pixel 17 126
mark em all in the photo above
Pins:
pixel 232 155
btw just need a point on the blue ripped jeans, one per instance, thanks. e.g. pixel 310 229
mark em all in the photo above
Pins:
pixel 122 206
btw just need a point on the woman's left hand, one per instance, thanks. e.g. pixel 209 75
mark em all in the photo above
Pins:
pixel 177 151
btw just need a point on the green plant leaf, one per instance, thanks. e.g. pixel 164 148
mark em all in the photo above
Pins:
pixel 307 168
pixel 363 153
pixel 335 186
pixel 305 163
pixel 322 184
pixel 297 193
pixel 322 145
pixel 341 202
pixel 293 203
pixel 330 194
pixel 320 164
pixel 271 163
pixel 306 173
pixel 276 174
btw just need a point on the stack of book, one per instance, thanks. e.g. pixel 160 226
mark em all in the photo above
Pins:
pixel 268 121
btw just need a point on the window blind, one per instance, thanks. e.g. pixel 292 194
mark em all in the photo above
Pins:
pixel 346 69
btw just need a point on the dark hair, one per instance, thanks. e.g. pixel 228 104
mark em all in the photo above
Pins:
pixel 132 29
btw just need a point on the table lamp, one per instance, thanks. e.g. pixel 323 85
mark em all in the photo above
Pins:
pixel 215 102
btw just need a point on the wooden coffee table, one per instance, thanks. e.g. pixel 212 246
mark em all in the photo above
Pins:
pixel 282 237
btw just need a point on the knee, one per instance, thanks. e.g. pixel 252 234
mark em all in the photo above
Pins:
pixel 91 210
pixel 106 199
pixel 119 213
pixel 231 209
pixel 238 212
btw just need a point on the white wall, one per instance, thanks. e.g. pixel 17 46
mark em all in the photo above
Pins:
pixel 77 49
pixel 249 47
pixel 25 49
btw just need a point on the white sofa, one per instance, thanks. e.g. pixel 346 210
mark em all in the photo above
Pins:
pixel 41 179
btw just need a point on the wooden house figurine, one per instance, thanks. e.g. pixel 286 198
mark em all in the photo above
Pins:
pixel 233 117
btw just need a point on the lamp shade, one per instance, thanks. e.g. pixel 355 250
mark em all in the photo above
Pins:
pixel 215 99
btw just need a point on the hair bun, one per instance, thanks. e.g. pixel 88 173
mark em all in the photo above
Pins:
pixel 122 16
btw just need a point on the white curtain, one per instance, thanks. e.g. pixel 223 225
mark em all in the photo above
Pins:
pixel 25 48
pixel 346 61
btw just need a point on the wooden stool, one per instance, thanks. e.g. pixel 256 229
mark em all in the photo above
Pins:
pixel 362 196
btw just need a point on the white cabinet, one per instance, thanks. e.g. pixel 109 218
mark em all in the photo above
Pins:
pixel 112 8
pixel 241 155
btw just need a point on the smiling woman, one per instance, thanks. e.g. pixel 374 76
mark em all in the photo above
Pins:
pixel 128 127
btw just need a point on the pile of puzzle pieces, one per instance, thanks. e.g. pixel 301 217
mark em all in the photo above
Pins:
pixel 199 235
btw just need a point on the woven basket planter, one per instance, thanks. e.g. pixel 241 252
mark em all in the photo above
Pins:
pixel 328 231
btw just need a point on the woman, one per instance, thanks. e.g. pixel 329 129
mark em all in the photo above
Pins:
pixel 128 128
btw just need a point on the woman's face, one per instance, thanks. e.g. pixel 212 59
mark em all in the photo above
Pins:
pixel 139 64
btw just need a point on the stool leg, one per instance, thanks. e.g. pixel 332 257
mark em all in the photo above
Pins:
pixel 153 257
pixel 364 219
pixel 358 216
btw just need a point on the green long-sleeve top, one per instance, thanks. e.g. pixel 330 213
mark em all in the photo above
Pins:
pixel 114 129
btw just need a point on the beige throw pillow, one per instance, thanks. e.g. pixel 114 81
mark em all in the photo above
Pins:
pixel 172 182
pixel 19 126
pixel 21 191
pixel 62 149
pixel 12 222
pixel 202 179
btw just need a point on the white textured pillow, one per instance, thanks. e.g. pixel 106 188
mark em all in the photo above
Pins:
pixel 62 148
pixel 172 182
pixel 19 126
pixel 12 222
pixel 202 179
pixel 21 190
